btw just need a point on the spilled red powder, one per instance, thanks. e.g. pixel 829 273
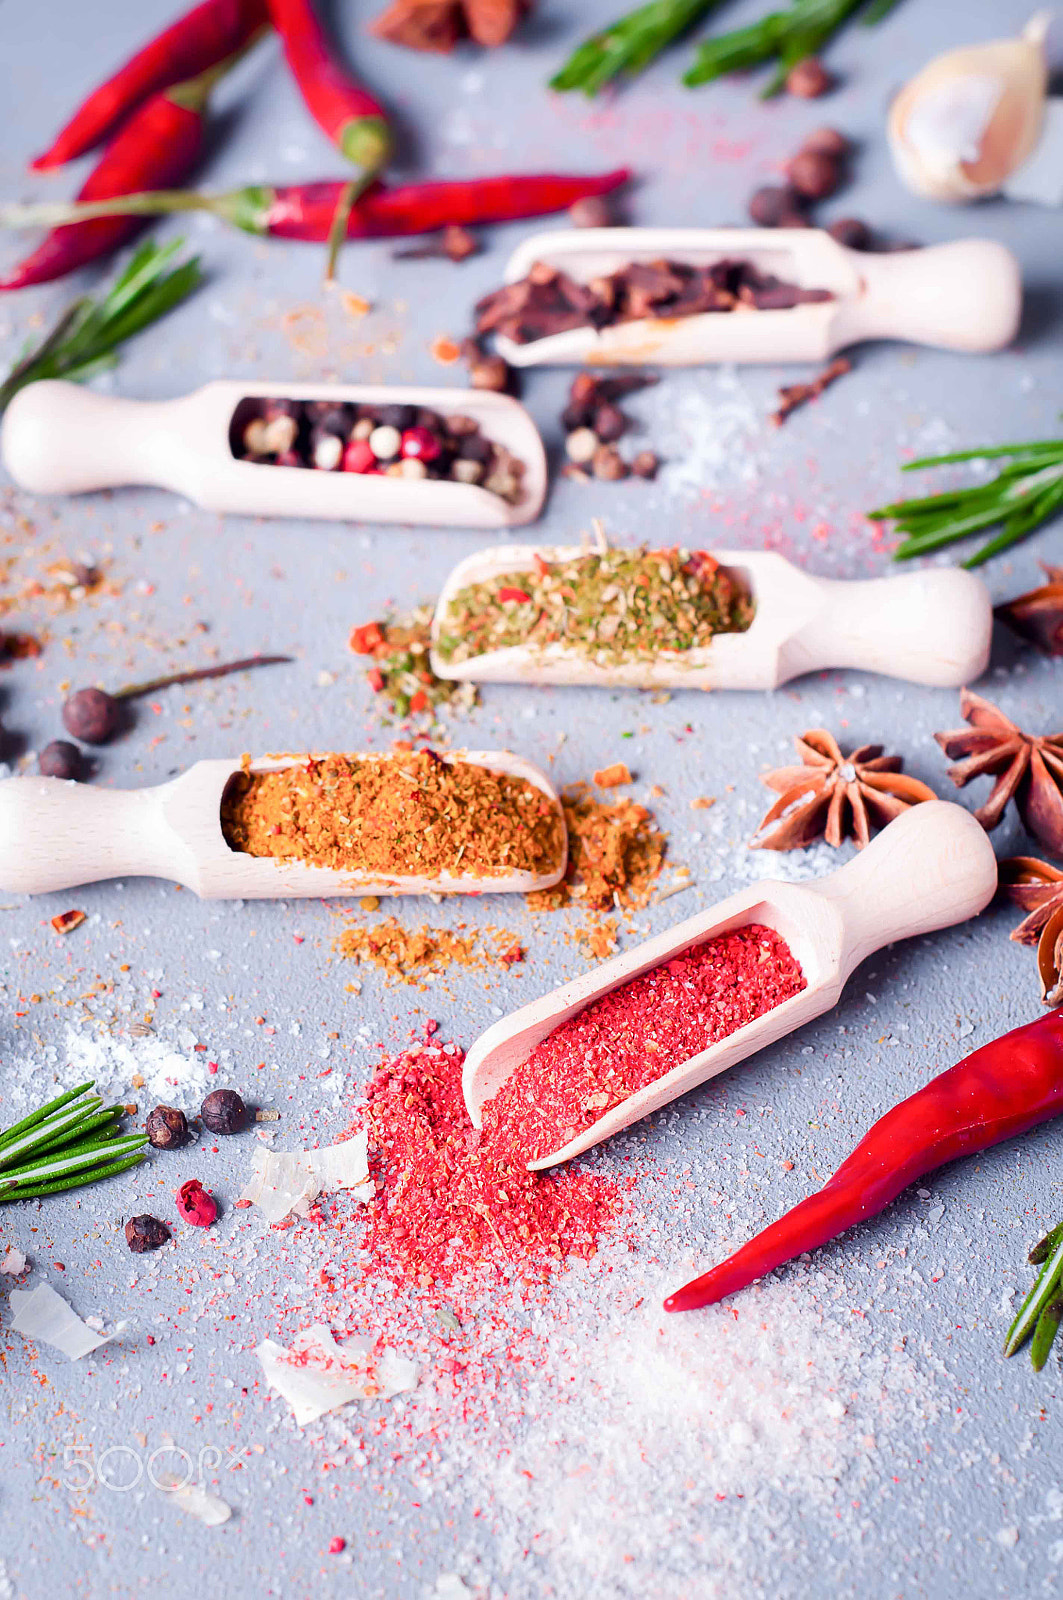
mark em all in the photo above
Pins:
pixel 453 1201
pixel 635 1035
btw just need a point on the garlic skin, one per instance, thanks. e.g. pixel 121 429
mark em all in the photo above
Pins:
pixel 964 124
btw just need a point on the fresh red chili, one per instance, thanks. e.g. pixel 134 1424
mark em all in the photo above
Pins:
pixel 353 119
pixel 999 1091
pixel 305 210
pixel 196 41
pixel 156 149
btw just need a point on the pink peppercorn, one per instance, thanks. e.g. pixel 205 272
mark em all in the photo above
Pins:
pixel 358 457
pixel 195 1204
pixel 420 444
pixel 336 1545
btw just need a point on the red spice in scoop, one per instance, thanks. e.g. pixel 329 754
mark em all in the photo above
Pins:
pixel 635 1035
pixel 453 1201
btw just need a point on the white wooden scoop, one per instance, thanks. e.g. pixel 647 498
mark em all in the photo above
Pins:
pixel 932 867
pixel 961 296
pixel 57 835
pixel 60 438
pixel 932 626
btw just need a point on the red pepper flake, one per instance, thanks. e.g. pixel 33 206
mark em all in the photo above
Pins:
pixel 452 1202
pixel 507 593
pixel 636 1034
pixel 364 640
pixel 67 921
pixel 336 1545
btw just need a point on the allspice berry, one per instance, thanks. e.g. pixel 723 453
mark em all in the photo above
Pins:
pixel 166 1128
pixel 808 79
pixel 223 1111
pixel 60 759
pixel 489 372
pixel 775 206
pixel 593 211
pixel 92 715
pixel 815 174
pixel 609 422
pixel 827 141
pixel 145 1233
pixel 851 232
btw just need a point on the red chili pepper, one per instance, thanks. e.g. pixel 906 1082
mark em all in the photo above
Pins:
pixel 1000 1091
pixel 306 210
pixel 353 119
pixel 156 149
pixel 196 41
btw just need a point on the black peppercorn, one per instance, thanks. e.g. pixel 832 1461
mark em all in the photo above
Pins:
pixel 92 715
pixel 815 173
pixel 223 1111
pixel 166 1128
pixel 609 423
pixel 60 759
pixel 145 1233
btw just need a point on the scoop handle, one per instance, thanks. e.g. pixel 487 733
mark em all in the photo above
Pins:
pixel 56 835
pixel 930 868
pixel 61 438
pixel 966 295
pixel 933 626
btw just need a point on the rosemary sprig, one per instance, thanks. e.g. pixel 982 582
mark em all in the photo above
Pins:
pixel 71 1141
pixel 1024 493
pixel 638 38
pixel 630 44
pixel 1042 1311
pixel 86 336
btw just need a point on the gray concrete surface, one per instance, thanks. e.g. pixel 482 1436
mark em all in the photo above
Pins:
pixel 934 1469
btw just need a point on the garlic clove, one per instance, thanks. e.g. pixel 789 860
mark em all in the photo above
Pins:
pixel 964 124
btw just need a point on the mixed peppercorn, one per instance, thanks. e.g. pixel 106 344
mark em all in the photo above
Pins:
pixel 396 441
pixel 613 605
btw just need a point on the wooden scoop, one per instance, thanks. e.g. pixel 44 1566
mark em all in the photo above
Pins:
pixel 932 867
pixel 56 835
pixel 932 626
pixel 961 296
pixel 60 438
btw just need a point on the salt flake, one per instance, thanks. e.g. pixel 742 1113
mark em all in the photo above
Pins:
pixel 283 1181
pixel 193 1498
pixel 318 1375
pixel 42 1314
pixel 14 1261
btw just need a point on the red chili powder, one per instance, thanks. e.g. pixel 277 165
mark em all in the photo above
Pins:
pixel 635 1035
pixel 453 1201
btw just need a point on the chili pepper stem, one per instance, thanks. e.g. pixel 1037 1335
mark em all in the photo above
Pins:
pixel 239 206
pixel 338 231
pixel 133 690
pixel 194 93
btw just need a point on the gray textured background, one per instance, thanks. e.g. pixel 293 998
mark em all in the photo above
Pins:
pixel 940 1474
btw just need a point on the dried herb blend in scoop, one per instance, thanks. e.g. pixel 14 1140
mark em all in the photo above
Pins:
pixel 614 605
pixel 411 814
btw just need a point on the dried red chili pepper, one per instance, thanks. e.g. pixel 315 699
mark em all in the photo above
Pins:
pixel 999 1091
pixel 156 149
pixel 306 210
pixel 198 40
pixel 353 118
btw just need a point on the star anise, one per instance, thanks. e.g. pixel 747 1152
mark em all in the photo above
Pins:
pixel 1038 614
pixel 1037 887
pixel 440 24
pixel 1028 768
pixel 835 796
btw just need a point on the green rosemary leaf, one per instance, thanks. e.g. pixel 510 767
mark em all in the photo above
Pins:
pixel 89 332
pixel 38 1116
pixel 1026 492
pixel 629 45
pixel 1044 1247
pixel 1042 1293
pixel 99 1124
pixel 44 1132
pixel 78 1181
pixel 877 12
pixel 89 1155
pixel 786 36
pixel 1045 1332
